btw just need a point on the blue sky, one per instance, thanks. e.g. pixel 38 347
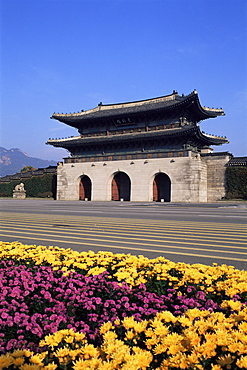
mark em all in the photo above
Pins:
pixel 68 55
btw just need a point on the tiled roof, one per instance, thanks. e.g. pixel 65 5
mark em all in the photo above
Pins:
pixel 237 161
pixel 155 105
pixel 135 136
pixel 28 174
pixel 215 154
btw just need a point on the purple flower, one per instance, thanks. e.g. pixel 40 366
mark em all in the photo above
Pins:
pixel 201 295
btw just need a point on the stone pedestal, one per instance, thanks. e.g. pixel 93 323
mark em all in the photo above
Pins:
pixel 19 194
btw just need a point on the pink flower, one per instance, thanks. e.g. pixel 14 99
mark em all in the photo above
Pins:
pixel 47 295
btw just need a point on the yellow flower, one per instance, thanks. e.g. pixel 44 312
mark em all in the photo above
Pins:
pixel 185 321
pixel 115 349
pixel 79 337
pixel 106 327
pixel 193 358
pixel 222 337
pixel 18 361
pixel 194 313
pixel 234 347
pixel 242 362
pixel 62 353
pixel 151 342
pixel 29 367
pixel 52 340
pixel 86 365
pixel 225 360
pixel 18 353
pixel 37 359
pixel 191 339
pixel 234 305
pixel 96 270
pixel 69 339
pixel 242 348
pixel 129 322
pixel 173 339
pixel 90 351
pixel 5 361
pixel 208 349
pixel 166 316
pixel 179 361
pixel 161 330
pixel 140 326
pixel 231 291
pixel 243 327
pixel 142 358
pixel 129 335
pixel 62 333
pixel 50 366
pixel 175 348
pixel 110 335
pixel 106 366
pixel 210 289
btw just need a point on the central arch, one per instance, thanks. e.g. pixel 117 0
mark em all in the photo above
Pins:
pixel 120 187
pixel 162 188
pixel 85 188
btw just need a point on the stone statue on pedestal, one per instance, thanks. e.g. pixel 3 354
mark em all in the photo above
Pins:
pixel 19 192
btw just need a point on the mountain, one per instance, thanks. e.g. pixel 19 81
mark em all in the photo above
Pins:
pixel 13 160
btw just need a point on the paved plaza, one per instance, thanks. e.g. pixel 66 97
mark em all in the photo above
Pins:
pixel 191 233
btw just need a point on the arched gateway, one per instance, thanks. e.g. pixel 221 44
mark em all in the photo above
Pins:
pixel 161 188
pixel 120 187
pixel 142 138
pixel 85 188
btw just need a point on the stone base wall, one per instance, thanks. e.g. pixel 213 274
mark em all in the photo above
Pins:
pixel 188 176
pixel 216 170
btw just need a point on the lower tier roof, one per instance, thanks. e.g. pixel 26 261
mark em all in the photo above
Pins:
pixel 181 134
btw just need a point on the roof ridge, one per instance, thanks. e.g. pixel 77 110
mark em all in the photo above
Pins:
pixel 171 97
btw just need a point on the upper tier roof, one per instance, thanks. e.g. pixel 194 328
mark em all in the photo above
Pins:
pixel 161 105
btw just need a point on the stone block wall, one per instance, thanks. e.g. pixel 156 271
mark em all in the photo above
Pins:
pixel 188 176
pixel 216 169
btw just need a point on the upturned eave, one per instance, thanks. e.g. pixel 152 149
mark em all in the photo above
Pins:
pixel 160 105
pixel 137 136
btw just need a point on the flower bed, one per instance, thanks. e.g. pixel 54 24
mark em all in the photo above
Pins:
pixel 64 309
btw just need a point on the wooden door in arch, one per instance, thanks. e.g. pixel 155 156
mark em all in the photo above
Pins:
pixel 161 188
pixel 120 188
pixel 85 188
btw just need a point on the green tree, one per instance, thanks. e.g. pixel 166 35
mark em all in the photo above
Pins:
pixel 43 186
pixel 28 168
pixel 236 182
